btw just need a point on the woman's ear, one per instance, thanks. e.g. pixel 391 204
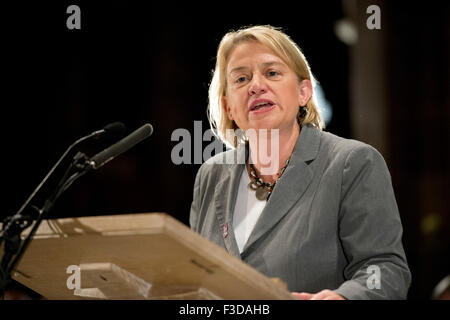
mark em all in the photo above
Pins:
pixel 305 92
pixel 226 108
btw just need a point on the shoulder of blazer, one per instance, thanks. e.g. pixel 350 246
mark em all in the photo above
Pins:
pixel 337 147
pixel 217 167
pixel 223 162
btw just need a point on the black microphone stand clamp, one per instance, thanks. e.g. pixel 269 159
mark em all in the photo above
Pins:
pixel 13 226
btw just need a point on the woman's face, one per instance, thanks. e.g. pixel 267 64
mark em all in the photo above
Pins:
pixel 262 91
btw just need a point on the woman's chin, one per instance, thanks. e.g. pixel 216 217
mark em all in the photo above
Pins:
pixel 263 125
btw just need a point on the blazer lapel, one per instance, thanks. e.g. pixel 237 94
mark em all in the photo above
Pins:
pixel 291 185
pixel 225 199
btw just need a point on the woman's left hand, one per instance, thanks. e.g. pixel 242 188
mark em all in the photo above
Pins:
pixel 322 295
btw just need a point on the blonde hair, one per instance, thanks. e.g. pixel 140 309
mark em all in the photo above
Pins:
pixel 284 47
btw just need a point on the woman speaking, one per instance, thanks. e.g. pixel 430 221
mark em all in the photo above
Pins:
pixel 297 203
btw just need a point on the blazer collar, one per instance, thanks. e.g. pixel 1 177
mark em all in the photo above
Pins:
pixel 288 189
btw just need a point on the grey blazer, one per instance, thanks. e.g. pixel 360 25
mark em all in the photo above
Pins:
pixel 331 222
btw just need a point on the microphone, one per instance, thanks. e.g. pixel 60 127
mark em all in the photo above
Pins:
pixel 115 129
pixel 110 130
pixel 121 146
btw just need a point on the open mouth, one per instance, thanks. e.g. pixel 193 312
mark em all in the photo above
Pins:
pixel 261 105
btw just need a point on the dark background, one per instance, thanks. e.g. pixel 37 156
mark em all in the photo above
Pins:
pixel 152 63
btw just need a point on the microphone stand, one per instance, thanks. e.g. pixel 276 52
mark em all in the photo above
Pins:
pixel 94 134
pixel 14 247
pixel 112 128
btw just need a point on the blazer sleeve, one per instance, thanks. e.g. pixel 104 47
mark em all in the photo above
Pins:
pixel 370 230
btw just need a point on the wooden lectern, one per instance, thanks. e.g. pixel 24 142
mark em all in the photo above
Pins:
pixel 136 256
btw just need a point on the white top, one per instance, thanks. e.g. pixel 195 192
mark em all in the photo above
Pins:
pixel 246 211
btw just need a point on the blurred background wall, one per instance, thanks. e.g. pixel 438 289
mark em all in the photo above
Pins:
pixel 138 63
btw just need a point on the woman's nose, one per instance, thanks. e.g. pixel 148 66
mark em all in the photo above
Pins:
pixel 257 85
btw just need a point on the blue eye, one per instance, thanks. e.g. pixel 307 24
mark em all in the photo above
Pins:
pixel 272 73
pixel 241 79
